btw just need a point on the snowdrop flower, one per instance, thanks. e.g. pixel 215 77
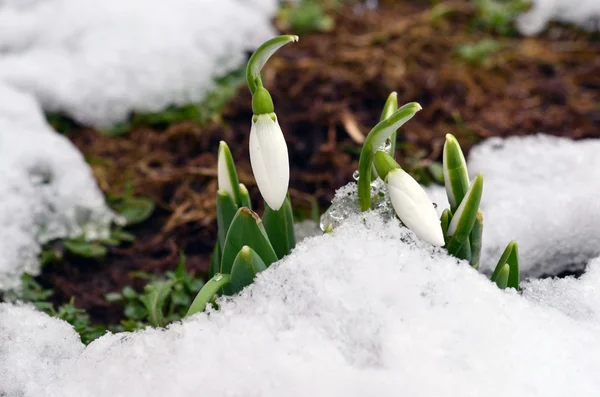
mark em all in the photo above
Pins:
pixel 411 203
pixel 268 151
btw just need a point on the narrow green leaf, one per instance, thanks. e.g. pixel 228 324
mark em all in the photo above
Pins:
pixel 246 266
pixel 456 177
pixel 465 251
pixel 501 279
pixel 445 221
pixel 382 131
pixel 226 210
pixel 391 105
pixel 135 210
pixel 154 297
pixel 210 289
pixel 509 258
pixel 246 229
pixel 475 239
pixel 245 197
pixel 262 55
pixel 122 235
pixel 464 218
pixel 226 173
pixel 85 249
pixel 279 226
pixel 215 260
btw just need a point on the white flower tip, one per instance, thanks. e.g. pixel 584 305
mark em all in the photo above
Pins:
pixel 223 177
pixel 269 160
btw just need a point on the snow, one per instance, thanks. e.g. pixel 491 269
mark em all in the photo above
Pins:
pixel 96 62
pixel 365 310
pixel 585 13
pixel 538 190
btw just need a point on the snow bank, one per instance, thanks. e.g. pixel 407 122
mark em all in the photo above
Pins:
pixel 538 190
pixel 96 62
pixel 365 310
pixel 585 13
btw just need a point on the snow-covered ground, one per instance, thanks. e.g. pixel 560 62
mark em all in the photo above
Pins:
pixel 584 13
pixel 96 61
pixel 365 310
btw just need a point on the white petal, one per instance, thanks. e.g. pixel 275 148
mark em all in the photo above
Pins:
pixel 269 160
pixel 223 176
pixel 414 207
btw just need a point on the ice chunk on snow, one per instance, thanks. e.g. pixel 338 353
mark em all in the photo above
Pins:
pixel 365 310
pixel 46 189
pixel 539 190
pixel 585 13
pixel 99 60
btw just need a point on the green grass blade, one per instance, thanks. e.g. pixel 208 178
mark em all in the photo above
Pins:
pixel 246 266
pixel 464 218
pixel 456 177
pixel 382 131
pixel 262 55
pixel 226 210
pixel 246 229
pixel 154 298
pixel 279 226
pixel 210 289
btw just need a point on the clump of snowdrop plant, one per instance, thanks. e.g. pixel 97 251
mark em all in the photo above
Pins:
pixel 247 245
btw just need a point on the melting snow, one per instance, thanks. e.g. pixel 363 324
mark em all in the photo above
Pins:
pixel 585 13
pixel 363 310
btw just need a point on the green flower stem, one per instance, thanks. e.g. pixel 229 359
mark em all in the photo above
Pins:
pixel 475 239
pixel 456 177
pixel 384 163
pixel 382 131
pixel 261 56
pixel 510 258
pixel 391 105
pixel 210 289
pixel 464 218
pixel 279 226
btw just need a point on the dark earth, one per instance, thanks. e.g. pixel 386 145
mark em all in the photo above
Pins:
pixel 329 89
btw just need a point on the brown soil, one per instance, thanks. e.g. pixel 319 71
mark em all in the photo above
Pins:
pixel 328 90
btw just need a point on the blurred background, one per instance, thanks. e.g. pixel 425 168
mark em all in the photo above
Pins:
pixel 479 68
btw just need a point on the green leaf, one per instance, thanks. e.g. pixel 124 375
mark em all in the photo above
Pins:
pixel 262 55
pixel 245 197
pixel 246 229
pixel 227 175
pixel 210 289
pixel 377 136
pixel 226 210
pixel 456 177
pixel 246 266
pixel 135 210
pixel 154 298
pixel 465 251
pixel 279 226
pixel 475 239
pixel 86 249
pixel 464 218
pixel 445 222
pixel 502 275
pixel 390 106
pixel 122 235
pixel 113 297
pixel 436 170
pixel 510 258
pixel 215 260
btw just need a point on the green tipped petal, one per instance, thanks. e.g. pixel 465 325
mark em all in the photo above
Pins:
pixel 279 226
pixel 246 229
pixel 226 173
pixel 245 197
pixel 246 266
pixel 475 239
pixel 391 105
pixel 210 289
pixel 456 177
pixel 464 218
pixel 510 258
pixel 261 56
pixel 226 210
pixel 382 131
pixel 502 276
pixel 262 103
